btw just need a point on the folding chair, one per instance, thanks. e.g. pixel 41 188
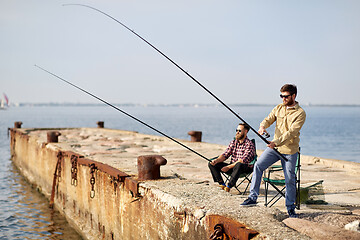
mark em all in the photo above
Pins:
pixel 279 184
pixel 245 176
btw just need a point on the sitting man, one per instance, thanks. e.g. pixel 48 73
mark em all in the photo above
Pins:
pixel 242 152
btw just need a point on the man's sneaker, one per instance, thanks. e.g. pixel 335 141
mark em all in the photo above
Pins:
pixel 227 189
pixel 248 203
pixel 292 213
pixel 222 186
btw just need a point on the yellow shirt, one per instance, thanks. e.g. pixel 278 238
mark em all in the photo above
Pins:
pixel 288 124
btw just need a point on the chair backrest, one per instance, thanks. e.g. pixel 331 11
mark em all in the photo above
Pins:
pixel 255 156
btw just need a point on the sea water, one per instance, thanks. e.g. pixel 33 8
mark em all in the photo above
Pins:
pixel 329 132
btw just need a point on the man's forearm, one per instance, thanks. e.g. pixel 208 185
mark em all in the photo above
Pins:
pixel 221 158
pixel 233 164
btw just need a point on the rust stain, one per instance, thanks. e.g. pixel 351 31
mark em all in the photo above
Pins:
pixel 180 215
pixel 232 229
pixel 132 185
pixel 81 160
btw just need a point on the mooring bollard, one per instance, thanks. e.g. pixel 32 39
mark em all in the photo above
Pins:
pixel 52 136
pixel 100 124
pixel 149 166
pixel 17 124
pixel 195 136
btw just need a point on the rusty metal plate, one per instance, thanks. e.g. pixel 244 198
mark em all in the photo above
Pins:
pixel 132 185
pixel 232 229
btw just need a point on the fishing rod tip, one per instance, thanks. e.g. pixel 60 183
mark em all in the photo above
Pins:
pixel 74 4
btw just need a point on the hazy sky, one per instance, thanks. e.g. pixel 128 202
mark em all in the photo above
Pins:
pixel 243 51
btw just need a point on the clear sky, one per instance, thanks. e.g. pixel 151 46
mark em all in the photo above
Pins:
pixel 242 51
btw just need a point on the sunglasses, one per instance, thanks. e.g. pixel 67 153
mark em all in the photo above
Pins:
pixel 238 130
pixel 284 96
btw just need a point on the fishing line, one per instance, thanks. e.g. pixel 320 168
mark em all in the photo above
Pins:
pixel 118 109
pixel 178 66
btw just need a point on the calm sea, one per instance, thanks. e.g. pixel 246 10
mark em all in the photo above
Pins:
pixel 329 132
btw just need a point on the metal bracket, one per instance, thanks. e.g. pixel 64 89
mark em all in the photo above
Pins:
pixel 74 170
pixel 92 179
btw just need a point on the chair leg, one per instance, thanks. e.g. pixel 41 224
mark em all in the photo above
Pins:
pixel 227 178
pixel 267 189
pixel 276 198
pixel 245 178
pixel 266 192
pixel 237 186
pixel 298 197
pixel 247 186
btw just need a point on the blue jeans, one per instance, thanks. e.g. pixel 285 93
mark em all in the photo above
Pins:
pixel 268 158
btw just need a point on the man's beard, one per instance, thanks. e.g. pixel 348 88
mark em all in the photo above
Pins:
pixel 241 137
pixel 290 102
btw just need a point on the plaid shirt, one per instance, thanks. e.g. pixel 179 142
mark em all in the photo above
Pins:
pixel 237 150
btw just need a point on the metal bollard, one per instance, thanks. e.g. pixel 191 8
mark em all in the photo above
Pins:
pixel 52 136
pixel 17 124
pixel 100 124
pixel 195 136
pixel 149 166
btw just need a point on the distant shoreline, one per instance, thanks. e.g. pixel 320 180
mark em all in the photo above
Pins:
pixel 170 105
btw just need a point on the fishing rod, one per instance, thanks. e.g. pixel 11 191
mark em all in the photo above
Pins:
pixel 188 74
pixel 127 114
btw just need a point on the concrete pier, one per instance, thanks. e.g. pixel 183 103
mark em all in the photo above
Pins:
pixel 91 175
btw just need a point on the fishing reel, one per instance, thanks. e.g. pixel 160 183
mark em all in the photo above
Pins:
pixel 266 135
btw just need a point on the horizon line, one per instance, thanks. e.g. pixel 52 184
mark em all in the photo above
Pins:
pixel 174 104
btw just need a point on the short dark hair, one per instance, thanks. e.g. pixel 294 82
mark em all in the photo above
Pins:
pixel 247 127
pixel 291 88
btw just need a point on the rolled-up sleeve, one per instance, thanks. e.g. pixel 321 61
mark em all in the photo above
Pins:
pixel 229 150
pixel 270 119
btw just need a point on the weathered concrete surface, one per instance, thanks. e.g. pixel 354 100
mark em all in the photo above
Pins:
pixel 179 205
pixel 320 231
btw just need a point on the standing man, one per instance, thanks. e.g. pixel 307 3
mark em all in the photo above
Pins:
pixel 289 117
pixel 242 152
